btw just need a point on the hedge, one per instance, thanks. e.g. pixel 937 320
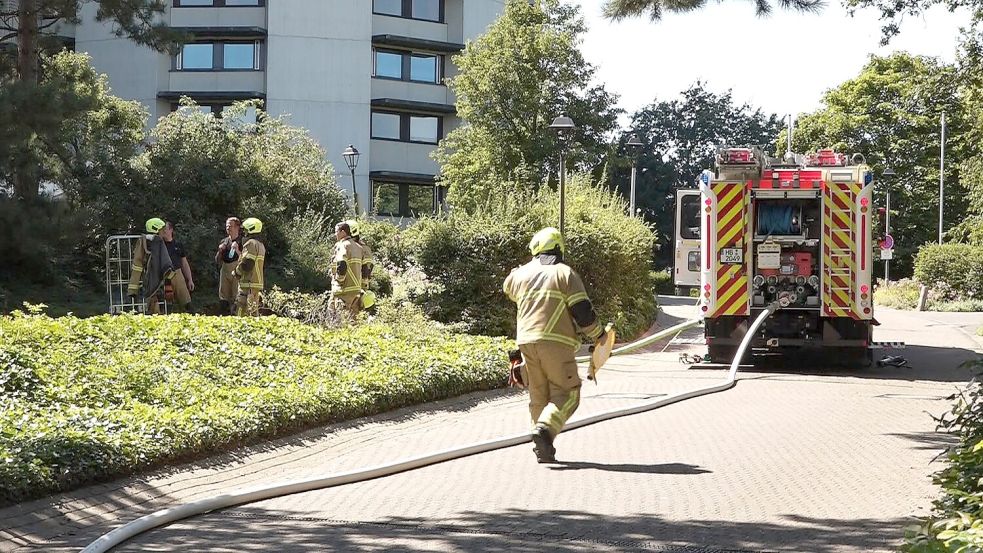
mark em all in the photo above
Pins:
pixel 951 269
pixel 89 399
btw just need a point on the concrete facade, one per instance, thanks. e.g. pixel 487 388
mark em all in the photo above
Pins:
pixel 316 62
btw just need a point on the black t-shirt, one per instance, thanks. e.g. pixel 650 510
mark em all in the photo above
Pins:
pixel 229 255
pixel 176 252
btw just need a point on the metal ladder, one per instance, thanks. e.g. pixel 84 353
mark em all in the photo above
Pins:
pixel 839 257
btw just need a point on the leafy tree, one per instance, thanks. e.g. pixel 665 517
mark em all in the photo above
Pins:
pixel 622 9
pixel 971 170
pixel 36 111
pixel 679 138
pixel 890 113
pixel 514 80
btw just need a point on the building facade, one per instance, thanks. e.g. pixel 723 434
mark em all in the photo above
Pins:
pixel 369 73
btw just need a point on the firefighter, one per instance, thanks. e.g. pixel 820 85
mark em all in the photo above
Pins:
pixel 180 282
pixel 150 266
pixel 368 298
pixel 346 273
pixel 227 257
pixel 249 270
pixel 552 307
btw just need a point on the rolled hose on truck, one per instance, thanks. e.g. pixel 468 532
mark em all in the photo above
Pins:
pixel 166 516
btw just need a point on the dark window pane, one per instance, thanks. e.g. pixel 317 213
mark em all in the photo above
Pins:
pixel 240 56
pixel 420 200
pixel 389 7
pixel 197 56
pixel 385 125
pixel 386 200
pixel 423 129
pixel 388 64
pixel 426 9
pixel 423 68
pixel 689 217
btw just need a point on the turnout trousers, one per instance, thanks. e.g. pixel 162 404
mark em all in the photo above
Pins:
pixel 554 384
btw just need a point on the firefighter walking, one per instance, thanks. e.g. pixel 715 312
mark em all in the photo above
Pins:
pixel 552 307
pixel 249 271
pixel 346 273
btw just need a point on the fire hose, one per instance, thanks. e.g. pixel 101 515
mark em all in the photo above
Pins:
pixel 166 516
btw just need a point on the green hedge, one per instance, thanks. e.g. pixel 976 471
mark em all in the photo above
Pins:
pixel 468 255
pixel 87 399
pixel 953 270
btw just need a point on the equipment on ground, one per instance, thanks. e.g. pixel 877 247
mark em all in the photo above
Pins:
pixel 601 352
pixel 119 261
pixel 797 231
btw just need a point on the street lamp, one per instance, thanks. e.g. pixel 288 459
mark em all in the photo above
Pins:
pixel 563 126
pixel 887 175
pixel 351 160
pixel 634 145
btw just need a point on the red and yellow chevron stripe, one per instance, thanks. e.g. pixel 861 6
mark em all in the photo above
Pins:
pixel 732 228
pixel 839 249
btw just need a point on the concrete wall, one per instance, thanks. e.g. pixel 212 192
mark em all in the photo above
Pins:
pixel 405 157
pixel 218 17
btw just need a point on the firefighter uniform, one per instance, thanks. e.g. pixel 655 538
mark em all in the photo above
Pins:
pixel 368 298
pixel 553 307
pixel 346 281
pixel 249 271
pixel 143 264
pixel 228 258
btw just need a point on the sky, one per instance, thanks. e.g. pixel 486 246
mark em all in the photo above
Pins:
pixel 782 63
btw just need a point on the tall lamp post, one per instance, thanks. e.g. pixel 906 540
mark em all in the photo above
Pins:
pixel 887 175
pixel 351 160
pixel 563 126
pixel 634 145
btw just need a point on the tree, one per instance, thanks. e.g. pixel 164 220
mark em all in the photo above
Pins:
pixel 526 70
pixel 679 140
pixel 890 113
pixel 36 112
pixel 622 9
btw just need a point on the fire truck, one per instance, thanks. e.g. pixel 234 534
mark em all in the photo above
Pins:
pixel 797 231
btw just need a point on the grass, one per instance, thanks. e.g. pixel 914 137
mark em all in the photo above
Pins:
pixel 903 294
pixel 110 395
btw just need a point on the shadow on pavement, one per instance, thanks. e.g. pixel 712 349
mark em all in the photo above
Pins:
pixel 517 530
pixel 937 364
pixel 665 468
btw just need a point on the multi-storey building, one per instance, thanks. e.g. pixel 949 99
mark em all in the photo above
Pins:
pixel 364 72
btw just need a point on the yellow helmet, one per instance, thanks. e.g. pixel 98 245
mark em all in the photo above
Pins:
pixel 154 225
pixel 546 240
pixel 368 299
pixel 354 227
pixel 252 225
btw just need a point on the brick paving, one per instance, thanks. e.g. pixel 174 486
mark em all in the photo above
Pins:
pixel 789 460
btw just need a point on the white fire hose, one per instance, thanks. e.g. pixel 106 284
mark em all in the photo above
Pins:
pixel 166 516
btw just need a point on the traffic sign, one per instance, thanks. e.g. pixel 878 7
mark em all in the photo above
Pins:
pixel 887 243
pixel 887 255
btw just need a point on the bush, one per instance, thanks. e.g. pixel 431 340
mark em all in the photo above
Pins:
pixel 470 254
pixel 110 395
pixel 662 282
pixel 904 293
pixel 951 269
pixel 958 518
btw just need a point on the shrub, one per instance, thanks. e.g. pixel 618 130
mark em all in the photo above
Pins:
pixel 904 293
pixel 662 282
pixel 110 395
pixel 951 269
pixel 470 254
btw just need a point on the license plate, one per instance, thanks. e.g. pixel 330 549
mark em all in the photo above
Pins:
pixel 731 255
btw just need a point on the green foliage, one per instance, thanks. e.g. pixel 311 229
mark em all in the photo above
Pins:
pixel 662 282
pixel 890 113
pixel 110 395
pixel 957 523
pixel 469 255
pixel 952 269
pixel 679 139
pixel 513 80
pixel 904 293
pixel 655 9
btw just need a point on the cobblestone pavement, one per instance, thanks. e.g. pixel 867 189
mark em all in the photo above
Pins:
pixel 791 459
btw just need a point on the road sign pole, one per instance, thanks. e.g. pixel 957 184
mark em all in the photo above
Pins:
pixel 887 232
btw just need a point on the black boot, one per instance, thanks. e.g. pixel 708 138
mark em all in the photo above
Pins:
pixel 543 440
pixel 224 308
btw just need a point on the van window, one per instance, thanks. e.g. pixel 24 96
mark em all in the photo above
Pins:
pixel 689 217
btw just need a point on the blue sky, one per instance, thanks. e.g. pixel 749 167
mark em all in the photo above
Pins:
pixel 782 63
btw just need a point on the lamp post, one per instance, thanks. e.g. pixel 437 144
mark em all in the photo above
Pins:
pixel 351 160
pixel 887 175
pixel 563 125
pixel 634 145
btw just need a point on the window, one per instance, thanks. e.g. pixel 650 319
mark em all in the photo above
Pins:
pixel 217 3
pixel 689 217
pixel 385 125
pixel 406 127
pixel 219 56
pixel 408 66
pixel 427 10
pixel 404 199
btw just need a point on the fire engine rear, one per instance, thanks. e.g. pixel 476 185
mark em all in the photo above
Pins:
pixel 796 231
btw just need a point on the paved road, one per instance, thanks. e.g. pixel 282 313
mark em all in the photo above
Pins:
pixel 790 459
